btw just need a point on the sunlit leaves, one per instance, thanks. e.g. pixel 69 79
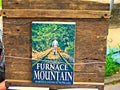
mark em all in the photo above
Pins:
pixel 44 34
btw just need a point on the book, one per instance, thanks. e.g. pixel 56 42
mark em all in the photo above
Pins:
pixel 79 89
pixel 53 47
pixel 27 88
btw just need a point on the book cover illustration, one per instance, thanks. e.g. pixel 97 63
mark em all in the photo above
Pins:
pixel 53 47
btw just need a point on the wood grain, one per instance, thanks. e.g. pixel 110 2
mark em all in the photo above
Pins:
pixel 89 31
pixel 90 47
pixel 45 13
pixel 55 87
pixel 87 72
pixel 25 65
pixel 55 4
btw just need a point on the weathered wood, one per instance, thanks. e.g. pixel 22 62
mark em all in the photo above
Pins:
pixel 29 81
pixel 90 48
pixel 18 74
pixel 55 4
pixel 25 65
pixel 44 13
pixel 18 44
pixel 84 72
pixel 91 19
pixel 100 86
pixel 89 31
pixel 91 39
pixel 80 77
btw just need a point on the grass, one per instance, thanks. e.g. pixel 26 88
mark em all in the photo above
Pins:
pixel 111 66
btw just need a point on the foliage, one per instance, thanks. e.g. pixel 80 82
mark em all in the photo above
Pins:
pixel 43 35
pixel 0 3
pixel 111 66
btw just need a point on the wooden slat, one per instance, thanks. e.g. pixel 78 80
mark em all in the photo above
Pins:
pixel 22 44
pixel 56 4
pixel 44 13
pixel 86 72
pixel 29 81
pixel 18 75
pixel 25 66
pixel 59 1
pixel 86 66
pixel 10 80
pixel 100 86
pixel 79 77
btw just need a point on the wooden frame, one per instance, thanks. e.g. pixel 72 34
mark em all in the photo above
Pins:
pixel 91 19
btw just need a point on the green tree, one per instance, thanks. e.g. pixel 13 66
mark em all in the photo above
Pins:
pixel 44 34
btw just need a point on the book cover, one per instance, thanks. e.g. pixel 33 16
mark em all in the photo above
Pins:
pixel 53 48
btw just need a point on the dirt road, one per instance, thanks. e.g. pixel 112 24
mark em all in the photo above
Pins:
pixel 113 39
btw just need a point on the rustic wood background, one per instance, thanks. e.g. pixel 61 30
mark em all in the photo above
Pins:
pixel 90 38
pixel 55 4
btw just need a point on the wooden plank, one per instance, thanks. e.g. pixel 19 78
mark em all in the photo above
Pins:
pixel 89 31
pixel 91 39
pixel 91 17
pixel 59 1
pixel 79 77
pixel 89 77
pixel 82 77
pixel 10 80
pixel 11 67
pixel 23 26
pixel 18 46
pixel 25 66
pixel 45 13
pixel 90 48
pixel 100 86
pixel 87 52
pixel 29 81
pixel 87 72
pixel 90 67
pixel 56 4
pixel 18 75
pixel 90 83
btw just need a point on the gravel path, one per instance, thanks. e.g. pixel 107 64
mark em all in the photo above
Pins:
pixel 114 78
pixel 112 87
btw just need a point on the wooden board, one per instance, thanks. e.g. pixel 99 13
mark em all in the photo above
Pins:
pixel 56 4
pixel 91 19
pixel 99 86
pixel 90 48
pixel 45 13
